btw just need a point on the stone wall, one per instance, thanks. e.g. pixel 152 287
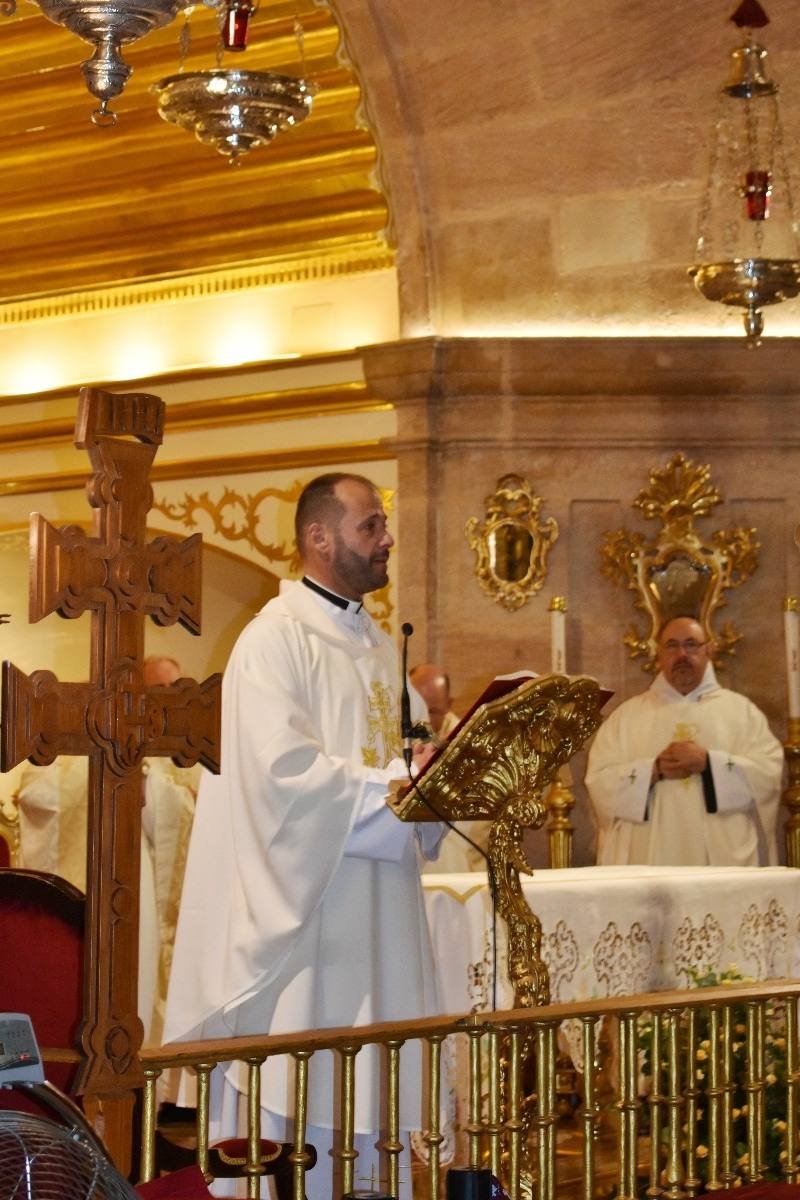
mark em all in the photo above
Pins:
pixel 585 421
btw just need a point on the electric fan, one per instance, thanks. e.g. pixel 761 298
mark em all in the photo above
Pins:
pixel 41 1159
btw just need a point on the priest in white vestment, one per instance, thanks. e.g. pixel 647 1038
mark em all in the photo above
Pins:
pixel 302 906
pixel 688 773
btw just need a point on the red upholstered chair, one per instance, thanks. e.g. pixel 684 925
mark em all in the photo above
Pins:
pixel 41 933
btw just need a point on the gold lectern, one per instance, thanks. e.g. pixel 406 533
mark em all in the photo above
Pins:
pixel 495 767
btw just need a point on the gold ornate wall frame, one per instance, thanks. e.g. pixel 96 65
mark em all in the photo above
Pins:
pixel 679 572
pixel 511 544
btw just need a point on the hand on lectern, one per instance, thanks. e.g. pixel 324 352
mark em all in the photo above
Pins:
pixel 421 755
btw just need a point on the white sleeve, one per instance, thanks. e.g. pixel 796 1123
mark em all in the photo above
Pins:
pixel 619 787
pixel 730 782
pixel 376 831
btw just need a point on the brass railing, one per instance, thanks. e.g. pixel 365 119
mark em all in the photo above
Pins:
pixel 503 1045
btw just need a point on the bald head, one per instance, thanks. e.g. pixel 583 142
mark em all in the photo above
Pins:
pixel 433 684
pixel 160 671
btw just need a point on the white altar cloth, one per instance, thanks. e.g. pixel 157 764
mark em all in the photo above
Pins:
pixel 616 931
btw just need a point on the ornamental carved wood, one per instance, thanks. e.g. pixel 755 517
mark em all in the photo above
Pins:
pixel 113 719
pixel 679 572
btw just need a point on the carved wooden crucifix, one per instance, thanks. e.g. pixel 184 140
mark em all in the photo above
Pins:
pixel 119 578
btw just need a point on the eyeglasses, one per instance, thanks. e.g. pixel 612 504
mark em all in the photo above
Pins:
pixel 690 646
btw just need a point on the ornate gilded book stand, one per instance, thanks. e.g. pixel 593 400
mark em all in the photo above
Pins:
pixel 495 768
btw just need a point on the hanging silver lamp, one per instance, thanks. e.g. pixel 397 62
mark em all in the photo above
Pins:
pixel 747 254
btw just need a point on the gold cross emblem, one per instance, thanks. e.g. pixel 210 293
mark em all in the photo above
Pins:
pixel 383 727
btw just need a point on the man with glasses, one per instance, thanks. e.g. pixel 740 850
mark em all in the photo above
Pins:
pixel 688 773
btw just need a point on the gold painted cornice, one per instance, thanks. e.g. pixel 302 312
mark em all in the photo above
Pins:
pixel 219 413
pixel 191 285
pixel 154 383
pixel 221 466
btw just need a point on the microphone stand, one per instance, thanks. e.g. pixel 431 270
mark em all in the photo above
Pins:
pixel 409 731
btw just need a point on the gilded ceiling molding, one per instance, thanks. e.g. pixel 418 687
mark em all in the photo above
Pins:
pixel 261 407
pixel 228 464
pixel 154 383
pixel 299 268
pixel 679 572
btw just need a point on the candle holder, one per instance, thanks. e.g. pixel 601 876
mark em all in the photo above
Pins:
pixel 560 802
pixel 791 795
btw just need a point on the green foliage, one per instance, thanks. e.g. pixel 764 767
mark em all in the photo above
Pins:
pixel 775 1075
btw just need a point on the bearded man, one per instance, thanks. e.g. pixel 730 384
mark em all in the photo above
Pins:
pixel 689 773
pixel 302 906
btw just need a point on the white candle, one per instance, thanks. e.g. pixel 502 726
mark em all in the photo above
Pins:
pixel 558 635
pixel 792 636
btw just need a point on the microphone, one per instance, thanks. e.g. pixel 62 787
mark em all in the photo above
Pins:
pixel 406 727
pixel 408 732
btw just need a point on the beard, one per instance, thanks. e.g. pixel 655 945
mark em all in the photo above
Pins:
pixel 361 574
pixel 684 676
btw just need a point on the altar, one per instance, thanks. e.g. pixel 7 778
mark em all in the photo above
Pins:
pixel 616 931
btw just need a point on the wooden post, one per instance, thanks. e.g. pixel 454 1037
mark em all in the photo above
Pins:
pixel 113 718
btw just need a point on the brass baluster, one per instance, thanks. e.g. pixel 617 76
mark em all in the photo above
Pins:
pixel 348 1153
pixel 692 1183
pixel 655 1102
pixel 494 1127
pixel 253 1169
pixel 591 1109
pixel 728 1174
pixel 474 1128
pixel 673 1172
pixel 433 1136
pixel 298 1158
pixel 714 1098
pixel 754 1087
pixel 546 1116
pixel 203 1071
pixel 514 1124
pixel 147 1162
pixel 392 1147
pixel 628 1105
pixel 792 1089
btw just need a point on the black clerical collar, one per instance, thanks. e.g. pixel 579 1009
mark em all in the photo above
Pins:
pixel 339 601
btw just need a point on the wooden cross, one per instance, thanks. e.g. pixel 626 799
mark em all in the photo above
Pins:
pixel 113 719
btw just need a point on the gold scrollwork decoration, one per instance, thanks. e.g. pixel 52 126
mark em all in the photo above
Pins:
pixel 511 544
pixel 240 518
pixel 679 572
pixel 237 518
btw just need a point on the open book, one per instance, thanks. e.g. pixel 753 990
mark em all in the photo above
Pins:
pixel 498 687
